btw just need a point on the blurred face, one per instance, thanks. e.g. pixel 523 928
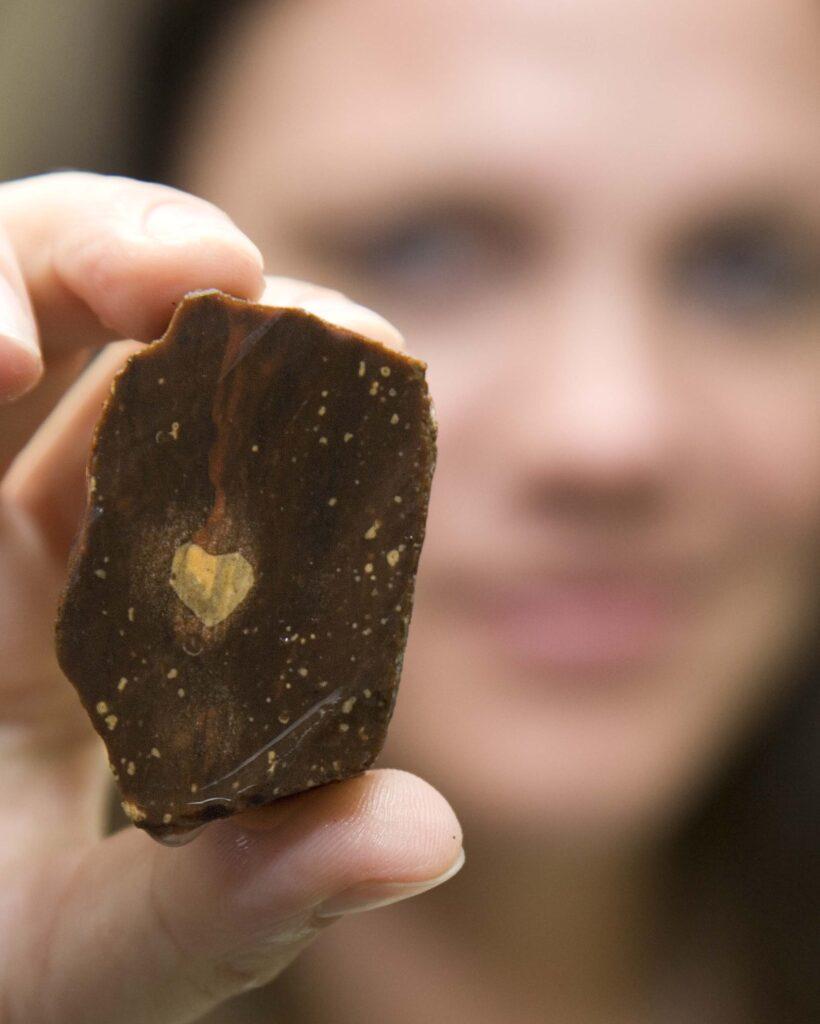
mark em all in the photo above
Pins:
pixel 599 223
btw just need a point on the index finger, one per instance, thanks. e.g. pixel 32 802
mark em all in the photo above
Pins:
pixel 107 257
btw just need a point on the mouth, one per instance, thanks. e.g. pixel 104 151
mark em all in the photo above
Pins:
pixel 582 624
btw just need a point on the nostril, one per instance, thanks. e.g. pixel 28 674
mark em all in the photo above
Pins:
pixel 596 500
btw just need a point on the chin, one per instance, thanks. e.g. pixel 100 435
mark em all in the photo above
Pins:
pixel 539 780
pixel 545 761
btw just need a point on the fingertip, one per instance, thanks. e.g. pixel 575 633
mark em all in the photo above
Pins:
pixel 384 823
pixel 131 269
pixel 220 255
pixel 187 222
pixel 332 306
pixel 426 827
pixel 135 293
pixel 356 318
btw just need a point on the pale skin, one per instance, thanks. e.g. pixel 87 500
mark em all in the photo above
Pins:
pixel 100 929
pixel 644 422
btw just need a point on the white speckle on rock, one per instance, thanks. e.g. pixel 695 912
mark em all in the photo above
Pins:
pixel 133 812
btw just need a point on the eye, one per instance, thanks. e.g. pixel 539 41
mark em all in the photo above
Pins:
pixel 748 267
pixel 426 253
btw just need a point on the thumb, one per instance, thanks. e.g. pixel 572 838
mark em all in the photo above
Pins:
pixel 136 932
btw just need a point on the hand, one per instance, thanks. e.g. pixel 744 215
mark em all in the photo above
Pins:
pixel 116 930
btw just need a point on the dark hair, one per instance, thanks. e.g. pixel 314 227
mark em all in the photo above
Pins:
pixel 177 42
pixel 743 878
pixel 745 865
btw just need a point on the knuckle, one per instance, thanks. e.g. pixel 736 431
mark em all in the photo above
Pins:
pixel 94 262
pixel 109 271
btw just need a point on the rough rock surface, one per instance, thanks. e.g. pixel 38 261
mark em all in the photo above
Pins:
pixel 240 591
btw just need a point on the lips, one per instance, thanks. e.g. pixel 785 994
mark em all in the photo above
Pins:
pixel 581 624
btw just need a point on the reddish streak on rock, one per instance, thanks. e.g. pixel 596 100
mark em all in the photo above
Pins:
pixel 228 395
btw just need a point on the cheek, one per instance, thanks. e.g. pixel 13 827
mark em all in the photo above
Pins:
pixel 760 423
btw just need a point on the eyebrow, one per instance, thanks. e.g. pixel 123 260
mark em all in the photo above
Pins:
pixel 490 210
pixel 766 214
pixel 345 207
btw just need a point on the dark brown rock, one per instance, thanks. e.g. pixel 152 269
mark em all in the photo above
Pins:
pixel 240 591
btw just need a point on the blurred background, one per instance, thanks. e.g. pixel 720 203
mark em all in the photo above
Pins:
pixel 598 221
pixel 67 78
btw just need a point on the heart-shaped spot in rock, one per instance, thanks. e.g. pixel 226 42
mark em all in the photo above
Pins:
pixel 211 586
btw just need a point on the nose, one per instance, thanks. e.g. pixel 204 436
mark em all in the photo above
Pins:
pixel 592 412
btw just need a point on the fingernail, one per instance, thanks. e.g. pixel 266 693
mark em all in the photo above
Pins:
pixel 371 895
pixel 177 223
